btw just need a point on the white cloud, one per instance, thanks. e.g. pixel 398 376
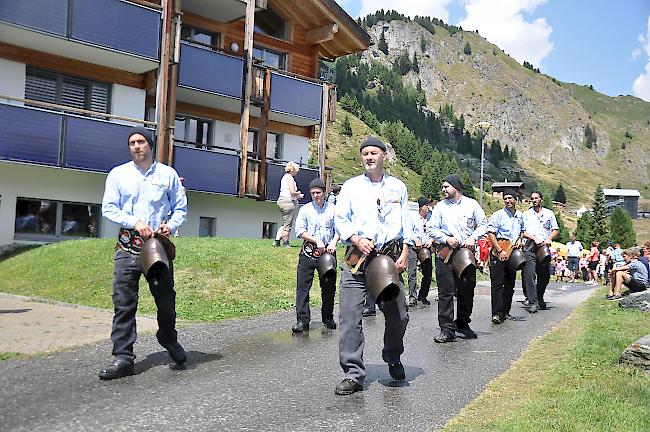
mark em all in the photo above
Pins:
pixel 636 53
pixel 641 85
pixel 431 8
pixel 502 23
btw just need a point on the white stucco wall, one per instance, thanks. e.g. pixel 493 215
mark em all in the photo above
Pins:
pixel 12 82
pixel 128 102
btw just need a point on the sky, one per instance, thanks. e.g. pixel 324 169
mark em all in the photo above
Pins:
pixel 604 43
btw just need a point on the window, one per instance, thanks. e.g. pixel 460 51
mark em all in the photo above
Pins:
pixel 274 148
pixel 207 226
pixel 270 58
pixel 326 71
pixel 47 86
pixel 36 218
pixel 269 23
pixel 268 229
pixel 198 36
pixel 193 131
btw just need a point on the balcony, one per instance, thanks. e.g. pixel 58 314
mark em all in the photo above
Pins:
pixel 111 33
pixel 218 171
pixel 63 140
pixel 215 79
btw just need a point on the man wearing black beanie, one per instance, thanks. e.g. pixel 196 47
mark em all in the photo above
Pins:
pixel 457 221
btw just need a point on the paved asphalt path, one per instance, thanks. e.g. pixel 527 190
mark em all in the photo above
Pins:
pixel 253 375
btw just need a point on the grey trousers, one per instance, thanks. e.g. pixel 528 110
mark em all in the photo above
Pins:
pixel 352 298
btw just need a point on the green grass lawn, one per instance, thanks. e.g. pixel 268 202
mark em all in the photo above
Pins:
pixel 570 380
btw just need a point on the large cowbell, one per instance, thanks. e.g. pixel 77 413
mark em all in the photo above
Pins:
pixel 382 279
pixel 156 255
pixel 463 264
pixel 326 267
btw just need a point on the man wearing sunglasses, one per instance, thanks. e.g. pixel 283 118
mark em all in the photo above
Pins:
pixel 371 216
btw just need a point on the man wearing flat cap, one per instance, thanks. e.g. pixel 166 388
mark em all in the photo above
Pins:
pixel 420 239
pixel 456 221
pixel 145 198
pixel 371 218
pixel 315 225
pixel 504 230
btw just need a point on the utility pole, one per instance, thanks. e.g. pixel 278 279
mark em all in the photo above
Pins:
pixel 483 128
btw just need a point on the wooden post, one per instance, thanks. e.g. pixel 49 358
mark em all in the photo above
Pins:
pixel 246 101
pixel 162 153
pixel 173 81
pixel 322 137
pixel 264 130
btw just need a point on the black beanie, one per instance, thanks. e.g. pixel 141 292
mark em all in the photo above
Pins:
pixel 509 191
pixel 374 142
pixel 422 201
pixel 317 183
pixel 146 133
pixel 455 181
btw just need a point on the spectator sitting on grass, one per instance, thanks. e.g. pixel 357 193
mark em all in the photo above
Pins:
pixel 633 274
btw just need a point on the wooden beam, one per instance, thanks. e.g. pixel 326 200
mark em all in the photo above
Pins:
pixel 322 137
pixel 248 85
pixel 321 34
pixel 72 67
pixel 263 135
pixel 162 88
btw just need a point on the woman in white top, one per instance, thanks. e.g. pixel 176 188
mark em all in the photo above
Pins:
pixel 287 202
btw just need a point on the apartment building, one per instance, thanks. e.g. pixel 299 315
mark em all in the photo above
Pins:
pixel 231 88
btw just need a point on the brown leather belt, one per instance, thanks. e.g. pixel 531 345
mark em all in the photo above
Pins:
pixel 356 261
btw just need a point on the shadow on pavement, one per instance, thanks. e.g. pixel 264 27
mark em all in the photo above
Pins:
pixel 379 373
pixel 194 358
pixel 13 311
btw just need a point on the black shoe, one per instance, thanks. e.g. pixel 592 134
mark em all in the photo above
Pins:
pixel 396 371
pixel 300 327
pixel 118 369
pixel 467 332
pixel 444 337
pixel 276 243
pixel 176 352
pixel 424 301
pixel 412 302
pixel 330 324
pixel 496 319
pixel 368 312
pixel 542 305
pixel 533 308
pixel 347 387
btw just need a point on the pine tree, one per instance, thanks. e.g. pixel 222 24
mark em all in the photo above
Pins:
pixel 468 49
pixel 600 228
pixel 584 230
pixel 560 196
pixel 382 45
pixel 513 155
pixel 346 127
pixel 621 229
pixel 424 44
pixel 416 66
pixel 562 231
pixel 506 153
pixel 428 188
pixel 468 187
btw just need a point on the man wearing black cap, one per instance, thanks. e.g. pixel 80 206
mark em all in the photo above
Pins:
pixel 315 225
pixel 143 197
pixel 504 229
pixel 457 221
pixel 371 218
pixel 419 240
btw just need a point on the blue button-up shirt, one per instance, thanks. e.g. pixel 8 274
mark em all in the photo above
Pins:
pixel 152 197
pixel 504 224
pixel 419 228
pixel 463 219
pixel 374 210
pixel 540 224
pixel 316 221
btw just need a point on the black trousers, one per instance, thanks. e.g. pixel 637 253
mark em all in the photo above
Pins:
pixel 126 278
pixel 534 277
pixel 304 279
pixel 425 268
pixel 502 281
pixel 448 285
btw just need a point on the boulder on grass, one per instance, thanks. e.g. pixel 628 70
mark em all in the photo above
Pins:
pixel 640 301
pixel 638 354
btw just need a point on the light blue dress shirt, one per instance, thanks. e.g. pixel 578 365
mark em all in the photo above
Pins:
pixel 504 224
pixel 418 228
pixel 152 197
pixel 463 219
pixel 540 224
pixel 374 210
pixel 316 221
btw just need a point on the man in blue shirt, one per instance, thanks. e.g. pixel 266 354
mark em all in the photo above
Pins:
pixel 315 225
pixel 420 239
pixel 540 228
pixel 371 215
pixel 457 221
pixel 144 197
pixel 504 228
